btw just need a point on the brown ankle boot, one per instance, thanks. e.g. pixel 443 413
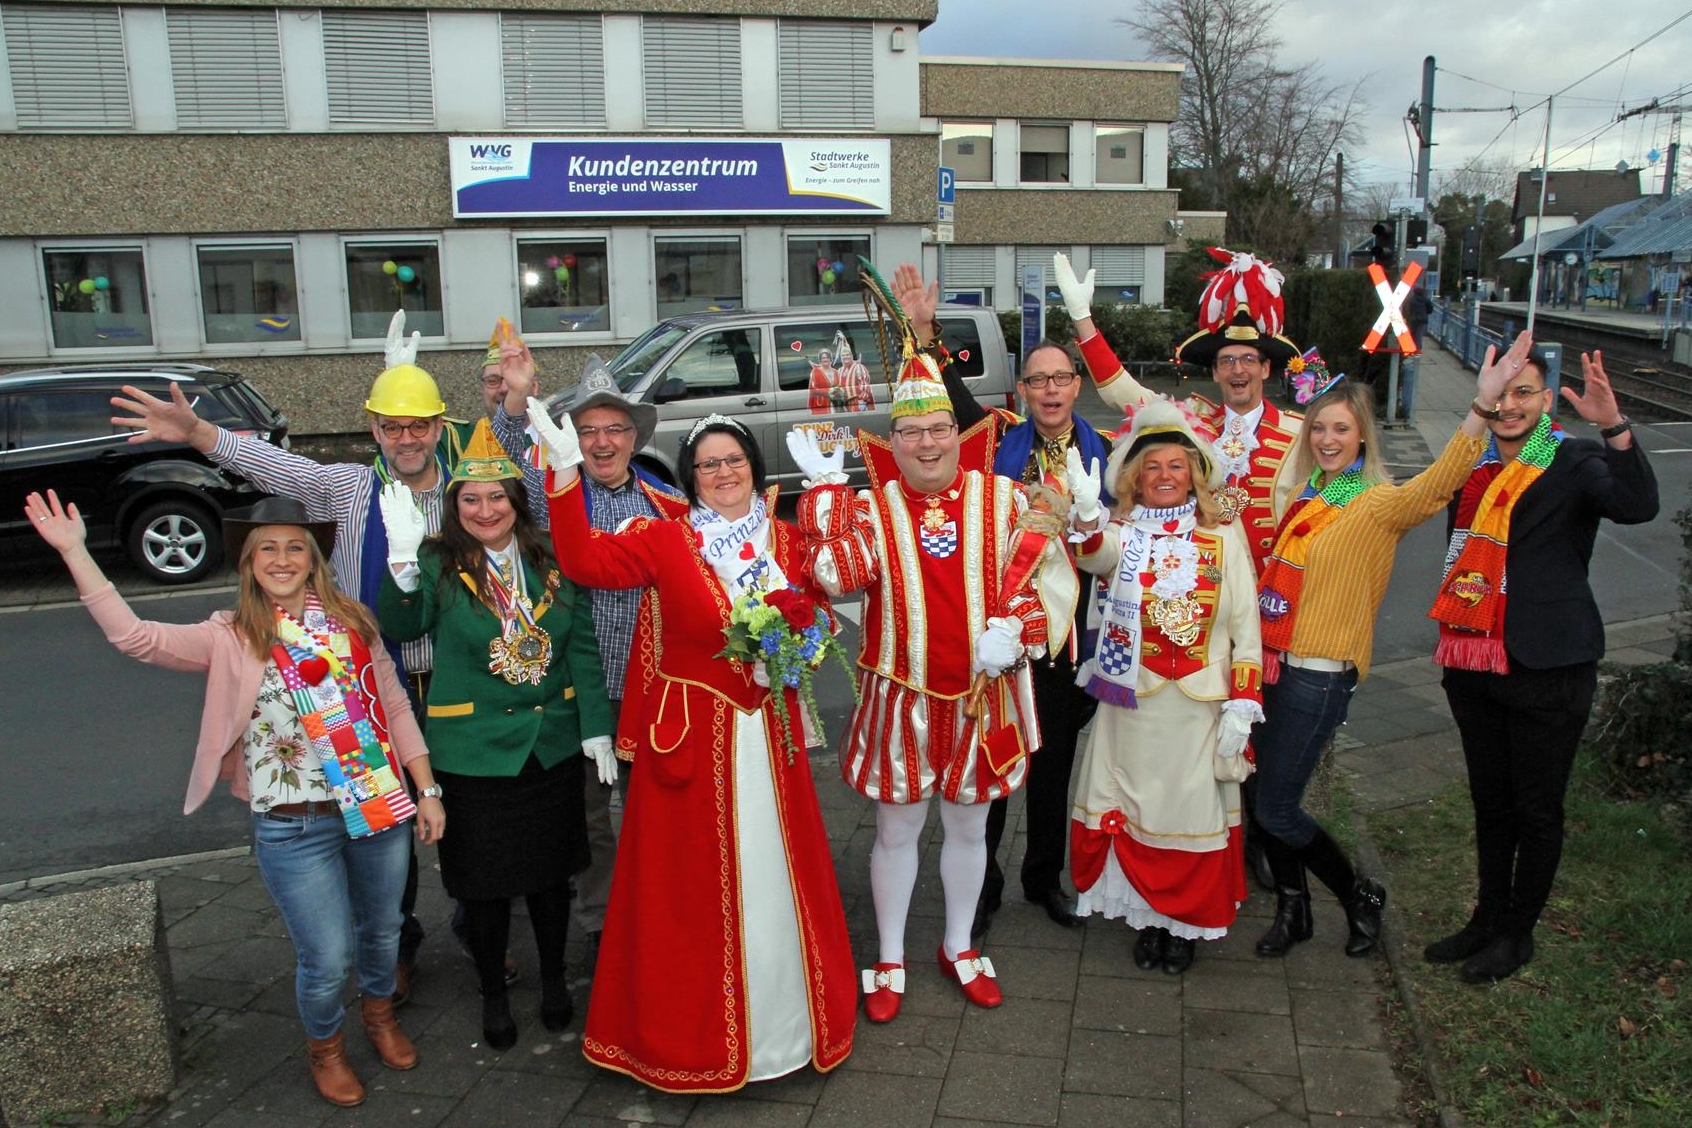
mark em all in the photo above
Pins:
pixel 392 1046
pixel 330 1072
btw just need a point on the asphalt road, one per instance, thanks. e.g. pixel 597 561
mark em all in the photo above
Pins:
pixel 97 747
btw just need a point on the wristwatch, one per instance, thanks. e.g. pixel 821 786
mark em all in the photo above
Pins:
pixel 433 791
pixel 1623 427
pixel 1485 412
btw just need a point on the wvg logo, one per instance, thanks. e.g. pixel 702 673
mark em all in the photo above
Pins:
pixel 486 152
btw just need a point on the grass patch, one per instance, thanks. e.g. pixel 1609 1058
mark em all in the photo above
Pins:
pixel 1597 1030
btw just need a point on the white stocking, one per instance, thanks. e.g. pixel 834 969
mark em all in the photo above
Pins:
pixel 963 868
pixel 893 872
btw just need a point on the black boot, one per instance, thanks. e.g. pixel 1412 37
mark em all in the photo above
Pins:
pixel 1178 954
pixel 557 1008
pixel 1363 911
pixel 499 1029
pixel 1149 948
pixel 1256 857
pixel 1460 945
pixel 1293 922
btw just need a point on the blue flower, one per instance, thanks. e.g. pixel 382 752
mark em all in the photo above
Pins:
pixel 790 678
pixel 770 643
pixel 808 649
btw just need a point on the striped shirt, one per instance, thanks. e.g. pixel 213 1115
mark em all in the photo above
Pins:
pixel 1350 561
pixel 339 492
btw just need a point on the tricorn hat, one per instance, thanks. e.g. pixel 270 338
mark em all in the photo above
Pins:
pixel 1241 305
pixel 238 524
pixel 598 388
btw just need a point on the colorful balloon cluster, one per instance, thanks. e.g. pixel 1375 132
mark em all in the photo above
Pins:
pixel 89 285
pixel 405 274
pixel 829 272
pixel 561 267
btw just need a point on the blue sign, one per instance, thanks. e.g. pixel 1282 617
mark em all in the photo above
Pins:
pixel 946 192
pixel 497 177
pixel 1033 312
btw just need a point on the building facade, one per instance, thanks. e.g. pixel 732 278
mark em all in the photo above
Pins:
pixel 259 186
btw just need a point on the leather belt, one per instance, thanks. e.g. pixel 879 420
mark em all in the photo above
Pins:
pixel 1320 665
pixel 313 807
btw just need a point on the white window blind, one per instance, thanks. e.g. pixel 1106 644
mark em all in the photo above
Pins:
pixel 967 268
pixel 827 75
pixel 68 66
pixel 226 68
pixel 377 64
pixel 1028 258
pixel 1120 266
pixel 554 69
pixel 692 72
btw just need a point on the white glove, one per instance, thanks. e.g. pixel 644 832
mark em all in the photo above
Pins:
pixel 404 522
pixel 563 449
pixel 819 469
pixel 760 674
pixel 599 750
pixel 1077 293
pixel 397 349
pixel 999 646
pixel 1084 488
pixel 1235 733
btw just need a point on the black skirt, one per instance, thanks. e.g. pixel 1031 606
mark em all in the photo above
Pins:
pixel 511 835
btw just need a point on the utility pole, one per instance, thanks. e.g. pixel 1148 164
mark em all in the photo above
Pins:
pixel 1425 128
pixel 1539 223
pixel 1655 106
pixel 1342 252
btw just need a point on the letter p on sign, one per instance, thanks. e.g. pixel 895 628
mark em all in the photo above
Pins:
pixel 946 189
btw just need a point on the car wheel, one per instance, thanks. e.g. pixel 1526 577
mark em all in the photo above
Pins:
pixel 175 541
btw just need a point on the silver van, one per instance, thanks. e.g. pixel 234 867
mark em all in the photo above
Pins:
pixel 774 369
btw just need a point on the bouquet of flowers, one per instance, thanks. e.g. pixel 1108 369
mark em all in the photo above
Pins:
pixel 792 635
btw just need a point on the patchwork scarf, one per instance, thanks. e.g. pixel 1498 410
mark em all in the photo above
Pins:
pixel 1470 605
pixel 1109 675
pixel 323 666
pixel 1282 581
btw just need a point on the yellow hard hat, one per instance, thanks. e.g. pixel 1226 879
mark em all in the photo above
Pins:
pixel 405 390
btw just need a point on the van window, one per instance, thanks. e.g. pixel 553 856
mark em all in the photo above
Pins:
pixel 832 359
pixel 963 340
pixel 722 363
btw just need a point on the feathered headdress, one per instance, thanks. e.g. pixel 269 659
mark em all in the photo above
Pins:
pixel 1241 305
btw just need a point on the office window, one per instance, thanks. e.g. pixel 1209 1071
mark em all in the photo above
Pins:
pixel 248 294
pixel 226 68
pixel 554 67
pixel 823 268
pixel 697 274
pixel 966 147
pixel 1120 274
pixel 377 66
pixel 68 66
pixel 98 298
pixel 691 72
pixel 827 75
pixel 1044 154
pixel 564 286
pixel 1119 154
pixel 384 277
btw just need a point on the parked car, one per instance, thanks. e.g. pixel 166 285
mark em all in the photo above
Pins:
pixel 162 502
pixel 773 369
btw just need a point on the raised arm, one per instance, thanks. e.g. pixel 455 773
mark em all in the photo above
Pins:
pixel 1622 486
pixel 1116 387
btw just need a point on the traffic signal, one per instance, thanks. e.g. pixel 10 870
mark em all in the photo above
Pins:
pixel 1471 251
pixel 1415 233
pixel 1382 250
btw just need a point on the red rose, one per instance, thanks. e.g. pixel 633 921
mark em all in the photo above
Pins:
pixel 799 609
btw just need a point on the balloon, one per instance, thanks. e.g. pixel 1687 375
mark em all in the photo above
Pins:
pixel 839 267
pixel 552 261
pixel 406 275
pixel 570 261
pixel 390 267
pixel 86 285
pixel 562 274
pixel 828 278
pixel 822 264
pixel 102 283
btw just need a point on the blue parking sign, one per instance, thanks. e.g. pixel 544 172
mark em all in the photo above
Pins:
pixel 946 191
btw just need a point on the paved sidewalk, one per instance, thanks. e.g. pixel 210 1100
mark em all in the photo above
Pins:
pixel 1084 1038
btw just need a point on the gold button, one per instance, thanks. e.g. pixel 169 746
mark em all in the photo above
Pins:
pixel 538 708
pixel 509 712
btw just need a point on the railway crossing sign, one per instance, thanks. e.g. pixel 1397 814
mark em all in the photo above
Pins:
pixel 1392 309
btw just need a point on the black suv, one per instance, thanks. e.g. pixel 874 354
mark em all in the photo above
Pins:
pixel 163 502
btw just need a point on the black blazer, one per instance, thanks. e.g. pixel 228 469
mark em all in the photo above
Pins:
pixel 1550 617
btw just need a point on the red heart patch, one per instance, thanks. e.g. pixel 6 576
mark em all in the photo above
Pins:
pixel 797 346
pixel 747 552
pixel 314 670
pixel 963 354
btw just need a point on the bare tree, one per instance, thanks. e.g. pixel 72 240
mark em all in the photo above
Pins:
pixel 1256 138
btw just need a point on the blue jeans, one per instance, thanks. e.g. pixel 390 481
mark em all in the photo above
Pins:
pixel 1300 713
pixel 330 887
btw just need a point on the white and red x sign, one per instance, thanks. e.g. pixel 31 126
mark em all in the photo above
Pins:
pixel 1392 308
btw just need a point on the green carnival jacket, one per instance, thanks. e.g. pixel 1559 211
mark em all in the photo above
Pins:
pixel 480 724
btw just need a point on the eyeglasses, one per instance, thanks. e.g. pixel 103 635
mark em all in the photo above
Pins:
pixel 1245 360
pixel 417 428
pixel 1523 392
pixel 939 432
pixel 1040 380
pixel 493 381
pixel 611 431
pixel 712 465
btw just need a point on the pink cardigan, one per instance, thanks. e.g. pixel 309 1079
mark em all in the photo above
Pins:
pixel 232 685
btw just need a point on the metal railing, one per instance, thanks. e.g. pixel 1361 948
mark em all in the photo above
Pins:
pixel 1452 324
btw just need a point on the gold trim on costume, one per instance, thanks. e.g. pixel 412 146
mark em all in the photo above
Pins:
pixel 463 710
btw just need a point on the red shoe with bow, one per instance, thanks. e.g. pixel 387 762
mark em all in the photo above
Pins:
pixel 974 973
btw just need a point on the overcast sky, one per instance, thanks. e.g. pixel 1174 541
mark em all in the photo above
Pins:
pixel 1533 48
